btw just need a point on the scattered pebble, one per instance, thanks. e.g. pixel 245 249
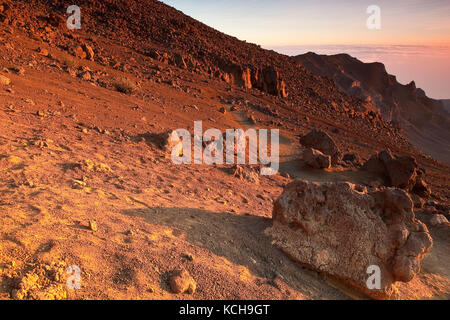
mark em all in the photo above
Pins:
pixel 93 225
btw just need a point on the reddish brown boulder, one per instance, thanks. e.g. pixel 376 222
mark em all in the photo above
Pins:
pixel 80 53
pixel 168 141
pixel 182 282
pixel 246 173
pixel 89 52
pixel 316 159
pixel 320 140
pixel 376 163
pixel 439 220
pixel 84 52
pixel 421 188
pixel 180 61
pixel 402 172
pixel 335 229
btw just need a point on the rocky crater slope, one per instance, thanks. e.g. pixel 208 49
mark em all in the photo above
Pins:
pixel 89 193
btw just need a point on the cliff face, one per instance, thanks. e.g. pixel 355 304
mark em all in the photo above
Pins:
pixel 446 104
pixel 425 121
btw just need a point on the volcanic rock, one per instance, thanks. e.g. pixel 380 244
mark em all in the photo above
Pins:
pixel 4 81
pixel 89 52
pixel 238 75
pixel 438 219
pixel 180 61
pixel 417 201
pixel 321 141
pixel 182 282
pixel 246 173
pixel 268 80
pixel 352 158
pixel 165 141
pixel 316 159
pixel 43 51
pixel 349 157
pixel 402 172
pixel 333 228
pixel 421 188
pixel 79 52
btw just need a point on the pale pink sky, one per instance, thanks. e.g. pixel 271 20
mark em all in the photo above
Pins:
pixel 428 66
pixel 300 22
pixel 413 41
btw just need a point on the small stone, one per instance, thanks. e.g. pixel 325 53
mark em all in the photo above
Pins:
pixel 4 81
pixel 29 101
pixel 182 282
pixel 14 160
pixel 438 220
pixel 85 75
pixel 93 225
pixel 43 51
pixel 188 256
pixel 89 52
pixel 79 52
pixel 20 71
pixel 285 175
pixel 78 184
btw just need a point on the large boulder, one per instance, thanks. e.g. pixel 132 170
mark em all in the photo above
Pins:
pixel 402 172
pixel 376 163
pixel 182 282
pixel 321 141
pixel 335 229
pixel 399 172
pixel 316 159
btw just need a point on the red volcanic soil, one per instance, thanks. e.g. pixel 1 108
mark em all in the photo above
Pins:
pixel 83 183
